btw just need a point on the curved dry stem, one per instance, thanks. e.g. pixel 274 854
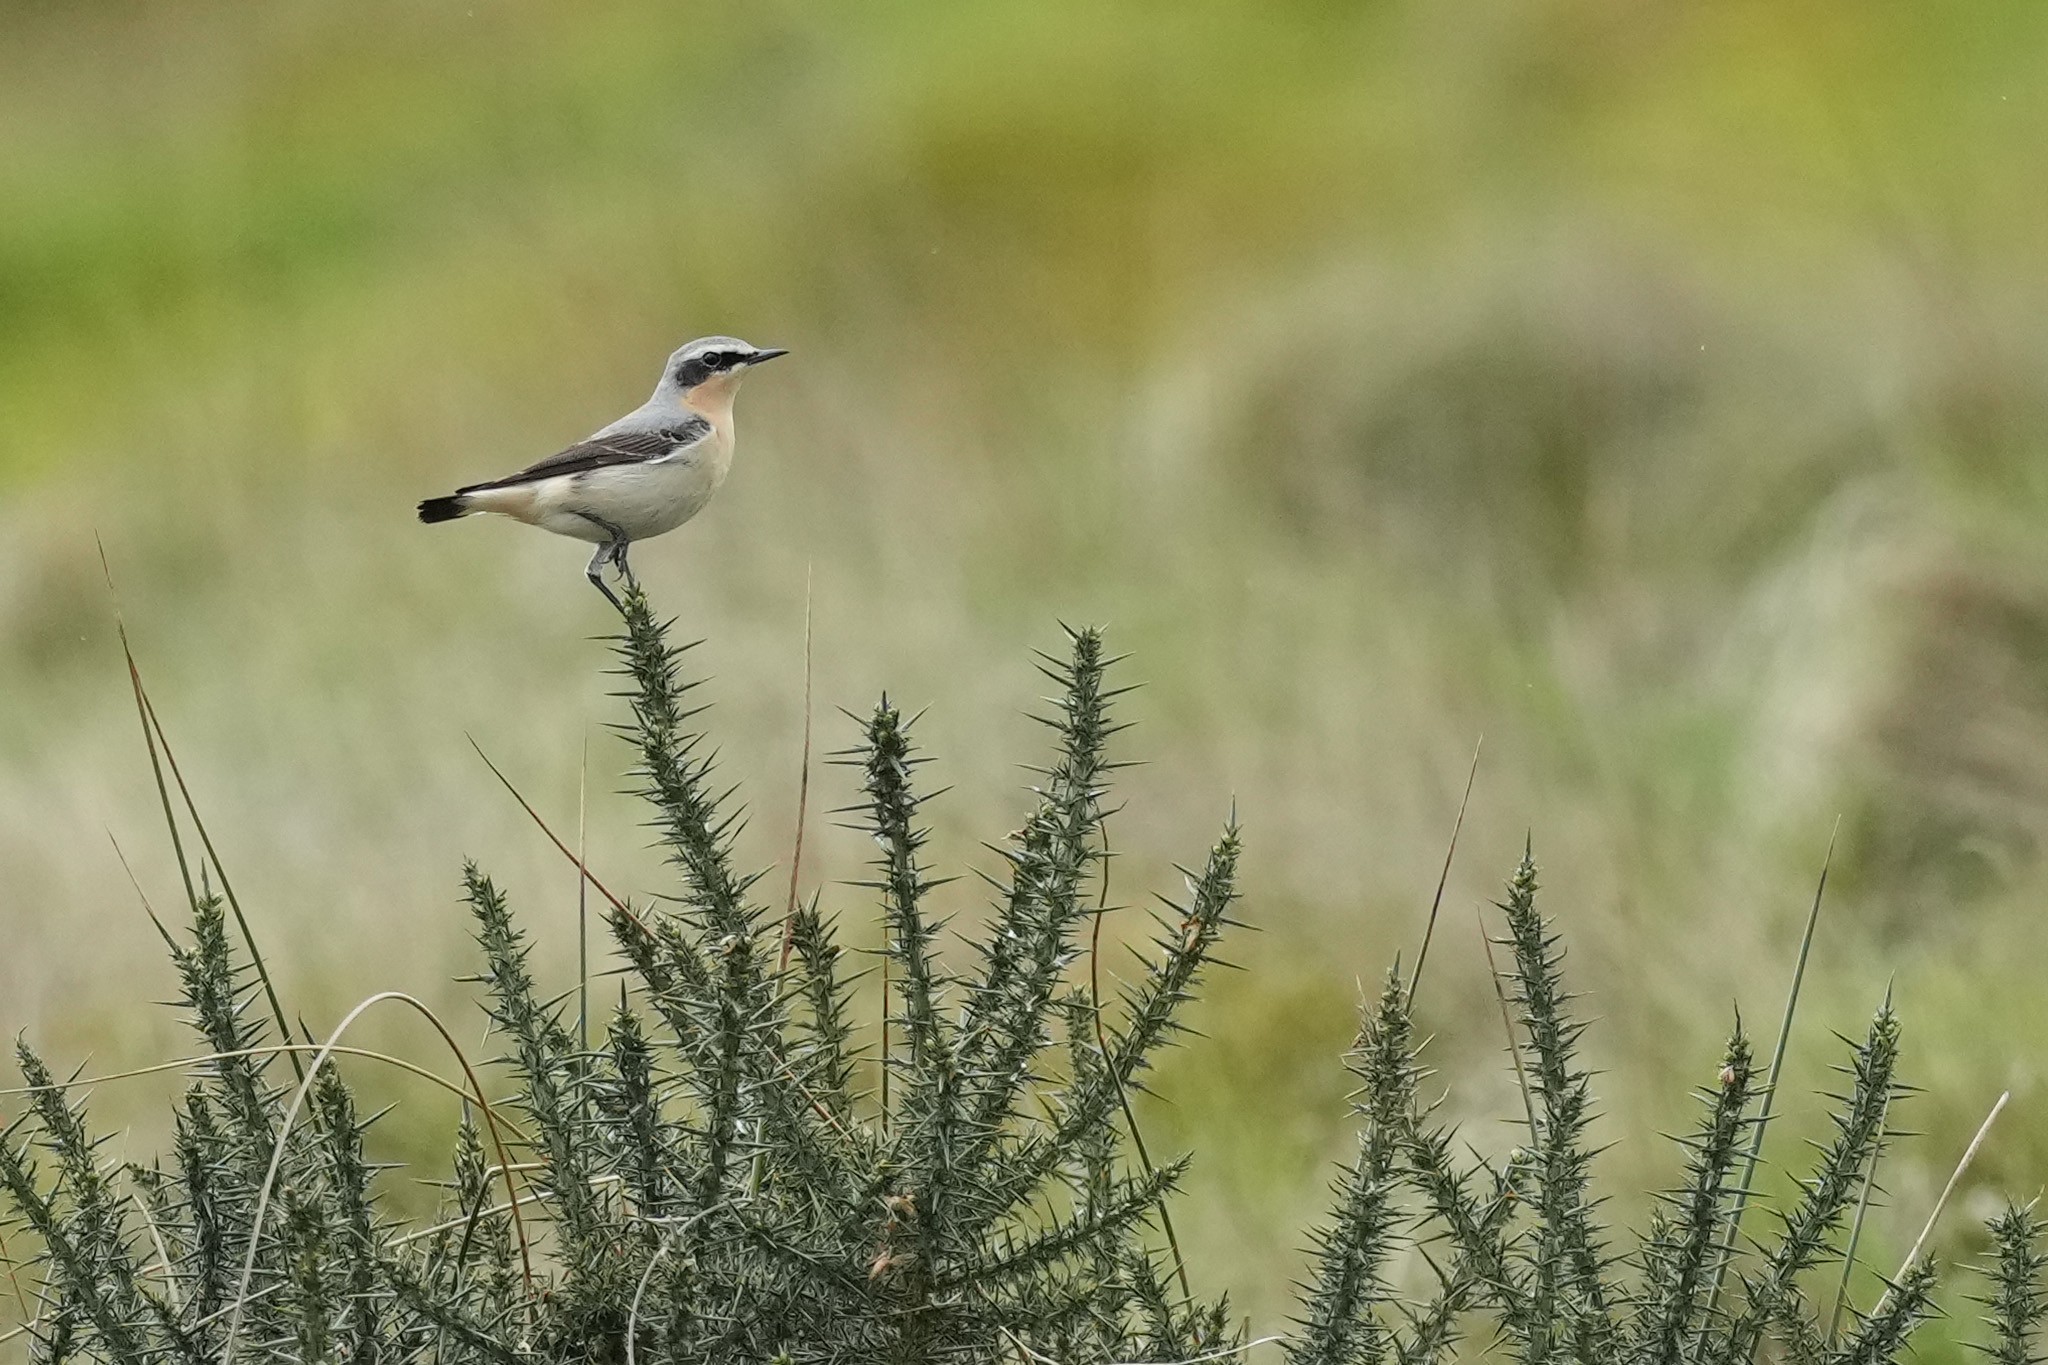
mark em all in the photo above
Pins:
pixel 163 1253
pixel 163 790
pixel 1237 1352
pixel 563 848
pixel 583 897
pixel 152 735
pixel 7 1258
pixel 1444 878
pixel 1740 1203
pixel 640 1289
pixel 803 792
pixel 1856 1227
pixel 327 1050
pixel 1507 1020
pixel 1955 1177
pixel 272 1050
pixel 633 1314
pixel 220 870
pixel 1123 1098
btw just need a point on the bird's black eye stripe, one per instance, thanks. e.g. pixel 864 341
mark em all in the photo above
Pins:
pixel 705 364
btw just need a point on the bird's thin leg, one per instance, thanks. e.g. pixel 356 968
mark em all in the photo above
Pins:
pixel 595 573
pixel 619 558
pixel 613 547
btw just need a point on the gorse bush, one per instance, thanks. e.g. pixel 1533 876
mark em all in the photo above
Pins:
pixel 740 1171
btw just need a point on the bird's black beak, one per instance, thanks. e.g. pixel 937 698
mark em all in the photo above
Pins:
pixel 767 353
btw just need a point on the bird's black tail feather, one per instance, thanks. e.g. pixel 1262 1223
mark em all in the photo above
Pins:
pixel 443 509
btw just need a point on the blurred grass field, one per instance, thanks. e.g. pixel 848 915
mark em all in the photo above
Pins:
pixel 1660 394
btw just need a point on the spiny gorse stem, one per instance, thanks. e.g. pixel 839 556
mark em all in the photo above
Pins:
pixel 1567 1299
pixel 1812 1221
pixel 930 1094
pixel 826 1047
pixel 1881 1336
pixel 2017 1302
pixel 708 1183
pixel 1676 1254
pixel 1351 1254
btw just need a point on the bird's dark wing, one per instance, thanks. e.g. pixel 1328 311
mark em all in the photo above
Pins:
pixel 601 452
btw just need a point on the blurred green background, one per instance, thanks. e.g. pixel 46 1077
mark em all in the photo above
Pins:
pixel 1658 391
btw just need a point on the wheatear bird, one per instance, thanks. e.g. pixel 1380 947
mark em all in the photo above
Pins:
pixel 648 472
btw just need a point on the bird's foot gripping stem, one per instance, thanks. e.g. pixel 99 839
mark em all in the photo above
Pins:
pixel 618 553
